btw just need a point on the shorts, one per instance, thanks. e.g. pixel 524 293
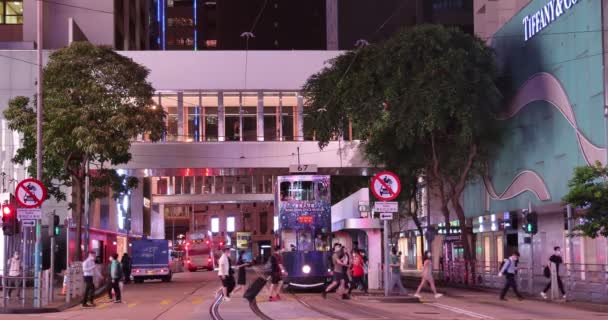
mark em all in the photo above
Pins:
pixel 227 282
pixel 338 276
pixel 275 278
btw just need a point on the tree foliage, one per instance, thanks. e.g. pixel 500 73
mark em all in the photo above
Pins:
pixel 589 191
pixel 423 102
pixel 95 102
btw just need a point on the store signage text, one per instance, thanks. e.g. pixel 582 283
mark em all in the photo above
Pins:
pixel 536 22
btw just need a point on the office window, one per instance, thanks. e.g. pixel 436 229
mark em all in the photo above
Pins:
pixel 230 224
pixel 215 224
pixel 11 12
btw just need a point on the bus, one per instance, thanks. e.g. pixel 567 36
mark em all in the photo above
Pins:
pixel 199 252
pixel 303 207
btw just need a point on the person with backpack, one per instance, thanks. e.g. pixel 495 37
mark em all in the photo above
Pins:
pixel 509 270
pixel 116 275
pixel 552 269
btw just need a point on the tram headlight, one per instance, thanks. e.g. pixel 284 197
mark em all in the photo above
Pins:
pixel 306 269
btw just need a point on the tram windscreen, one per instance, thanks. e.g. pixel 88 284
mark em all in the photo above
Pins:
pixel 304 212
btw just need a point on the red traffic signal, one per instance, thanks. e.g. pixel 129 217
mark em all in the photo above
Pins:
pixel 206 241
pixel 8 210
pixel 221 243
pixel 10 226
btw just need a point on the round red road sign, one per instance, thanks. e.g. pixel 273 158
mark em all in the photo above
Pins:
pixel 386 186
pixel 30 193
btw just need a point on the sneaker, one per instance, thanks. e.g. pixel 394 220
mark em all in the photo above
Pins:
pixel 438 295
pixel 417 296
pixel 85 305
pixel 226 299
pixel 544 295
pixel 118 301
pixel 564 297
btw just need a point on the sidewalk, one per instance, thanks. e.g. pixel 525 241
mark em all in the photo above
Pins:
pixel 411 281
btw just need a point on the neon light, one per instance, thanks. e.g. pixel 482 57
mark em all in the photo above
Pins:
pixel 164 35
pixel 158 21
pixel 195 29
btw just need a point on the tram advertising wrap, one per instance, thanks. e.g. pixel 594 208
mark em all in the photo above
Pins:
pixel 304 214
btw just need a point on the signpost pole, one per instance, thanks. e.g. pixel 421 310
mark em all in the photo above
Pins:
pixel 386 259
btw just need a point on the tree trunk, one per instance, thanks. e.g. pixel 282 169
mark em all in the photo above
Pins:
pixel 78 213
pixel 467 238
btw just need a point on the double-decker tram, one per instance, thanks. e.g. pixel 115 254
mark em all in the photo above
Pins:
pixel 303 207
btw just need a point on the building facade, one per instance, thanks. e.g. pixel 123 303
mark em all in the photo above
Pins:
pixel 552 54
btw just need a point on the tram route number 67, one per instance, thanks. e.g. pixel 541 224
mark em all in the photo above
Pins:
pixel 303 168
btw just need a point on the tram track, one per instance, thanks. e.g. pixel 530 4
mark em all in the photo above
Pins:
pixel 317 310
pixel 214 308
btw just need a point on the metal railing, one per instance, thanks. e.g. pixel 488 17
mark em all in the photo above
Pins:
pixel 582 282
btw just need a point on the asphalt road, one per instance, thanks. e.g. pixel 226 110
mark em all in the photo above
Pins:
pixel 190 295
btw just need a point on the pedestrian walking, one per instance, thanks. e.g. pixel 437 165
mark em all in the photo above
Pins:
pixel 346 260
pixel 358 272
pixel 116 275
pixel 241 281
pixel 14 274
pixel 553 267
pixel 88 271
pixel 224 274
pixel 276 274
pixel 427 276
pixel 395 276
pixel 509 270
pixel 126 267
pixel 337 266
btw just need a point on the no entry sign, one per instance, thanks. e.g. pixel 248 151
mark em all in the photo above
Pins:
pixel 30 193
pixel 386 186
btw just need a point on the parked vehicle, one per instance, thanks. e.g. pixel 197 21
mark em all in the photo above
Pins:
pixel 151 260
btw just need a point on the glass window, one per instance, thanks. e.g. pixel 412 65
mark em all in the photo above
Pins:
pixel 230 224
pixel 271 116
pixel 215 224
pixel 309 133
pixel 288 118
pixel 250 106
pixel 198 185
pixel 192 117
pixel 232 116
pixel 11 12
pixel 210 115
pixel 169 102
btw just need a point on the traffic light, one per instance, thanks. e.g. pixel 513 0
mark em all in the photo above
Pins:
pixel 531 225
pixel 55 225
pixel 9 220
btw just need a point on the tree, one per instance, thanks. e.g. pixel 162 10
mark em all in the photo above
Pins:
pixel 589 191
pixel 95 102
pixel 424 103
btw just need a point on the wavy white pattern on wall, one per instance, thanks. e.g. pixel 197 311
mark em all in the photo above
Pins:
pixel 543 87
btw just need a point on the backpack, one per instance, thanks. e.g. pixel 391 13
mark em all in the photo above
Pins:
pixel 119 272
pixel 502 264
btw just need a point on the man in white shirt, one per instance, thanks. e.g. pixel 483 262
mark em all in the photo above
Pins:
pixel 225 273
pixel 14 273
pixel 88 271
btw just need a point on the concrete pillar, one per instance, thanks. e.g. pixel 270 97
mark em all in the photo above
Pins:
pixel 331 16
pixel 260 117
pixel 126 25
pixel 300 118
pixel 221 132
pixel 374 245
pixel 241 116
pixel 180 116
pixel 280 117
pixel 157 222
pixel 138 25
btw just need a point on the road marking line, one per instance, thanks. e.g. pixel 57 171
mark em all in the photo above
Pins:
pixel 101 306
pixel 131 305
pixel 165 302
pixel 197 301
pixel 461 311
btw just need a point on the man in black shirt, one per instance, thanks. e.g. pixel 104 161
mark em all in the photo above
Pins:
pixel 557 259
